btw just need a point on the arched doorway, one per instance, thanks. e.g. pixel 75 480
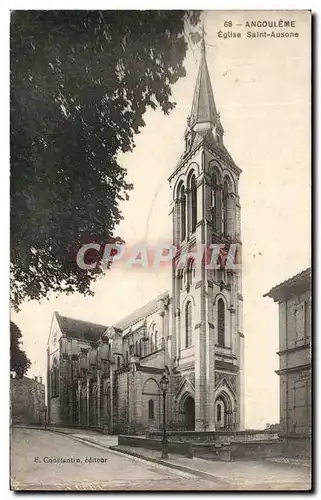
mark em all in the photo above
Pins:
pixel 188 411
pixel 224 415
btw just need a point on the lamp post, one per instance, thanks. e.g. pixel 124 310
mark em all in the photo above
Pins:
pixel 164 386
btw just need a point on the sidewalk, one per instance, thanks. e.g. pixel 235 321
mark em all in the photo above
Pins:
pixel 266 475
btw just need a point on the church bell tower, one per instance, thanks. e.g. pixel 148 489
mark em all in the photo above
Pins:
pixel 207 338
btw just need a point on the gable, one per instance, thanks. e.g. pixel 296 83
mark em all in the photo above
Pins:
pixel 55 333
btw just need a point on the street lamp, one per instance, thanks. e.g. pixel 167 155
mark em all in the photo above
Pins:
pixel 164 386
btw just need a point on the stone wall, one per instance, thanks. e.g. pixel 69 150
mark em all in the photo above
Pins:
pixel 256 450
pixel 221 436
pixel 174 447
pixel 251 450
pixel 54 417
pixel 27 400
pixel 296 446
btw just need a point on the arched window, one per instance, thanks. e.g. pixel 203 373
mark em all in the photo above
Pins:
pixel 221 322
pixel 216 203
pixel 127 357
pixel 224 211
pixel 151 409
pixel 136 348
pixel 221 273
pixel 156 342
pixel 218 412
pixel 54 379
pixel 118 361
pixel 188 325
pixel 190 271
pixel 151 343
pixel 194 203
pixel 140 347
pixel 183 213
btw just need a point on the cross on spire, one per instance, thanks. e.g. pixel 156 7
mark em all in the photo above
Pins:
pixel 203 39
pixel 203 106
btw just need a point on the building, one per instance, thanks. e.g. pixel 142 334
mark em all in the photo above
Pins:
pixel 109 376
pixel 294 298
pixel 27 400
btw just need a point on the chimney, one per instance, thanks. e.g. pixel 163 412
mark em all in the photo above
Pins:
pixel 40 380
pixel 36 379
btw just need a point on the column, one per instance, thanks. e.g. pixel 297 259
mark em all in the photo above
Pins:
pixel 177 222
pixel 237 218
pixel 88 401
pixel 178 332
pixel 210 363
pixel 138 399
pixel 79 401
pixel 163 336
pixel 201 353
pixel 231 206
pixel 98 400
pixel 111 404
pixel 188 195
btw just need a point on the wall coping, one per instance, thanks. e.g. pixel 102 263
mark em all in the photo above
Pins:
pixel 217 433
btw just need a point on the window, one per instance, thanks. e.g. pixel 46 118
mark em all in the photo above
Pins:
pixel 183 213
pixel 216 203
pixel 156 342
pixel 151 409
pixel 221 322
pixel 52 390
pixel 140 348
pixel 54 379
pixel 190 272
pixel 136 348
pixel 224 211
pixel 218 412
pixel 118 361
pixel 151 343
pixel 188 325
pixel 194 203
pixel 221 274
pixel 127 357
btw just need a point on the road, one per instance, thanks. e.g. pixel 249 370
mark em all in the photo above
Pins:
pixel 35 457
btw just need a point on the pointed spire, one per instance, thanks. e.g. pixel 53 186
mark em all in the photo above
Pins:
pixel 203 107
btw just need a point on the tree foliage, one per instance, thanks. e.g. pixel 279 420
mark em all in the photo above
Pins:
pixel 81 82
pixel 19 363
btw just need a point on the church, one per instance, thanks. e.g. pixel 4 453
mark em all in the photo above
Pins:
pixel 109 376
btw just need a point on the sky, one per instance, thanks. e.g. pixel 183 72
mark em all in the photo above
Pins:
pixel 262 91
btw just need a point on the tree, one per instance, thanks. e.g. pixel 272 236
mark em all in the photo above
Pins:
pixel 19 363
pixel 81 82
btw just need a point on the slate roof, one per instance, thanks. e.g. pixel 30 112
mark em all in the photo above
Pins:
pixel 77 328
pixel 289 286
pixel 140 313
pixel 203 106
